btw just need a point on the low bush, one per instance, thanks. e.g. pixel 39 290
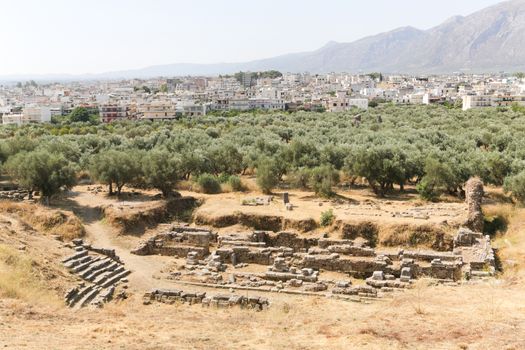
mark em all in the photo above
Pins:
pixel 209 184
pixel 327 218
pixel 235 184
pixel 223 178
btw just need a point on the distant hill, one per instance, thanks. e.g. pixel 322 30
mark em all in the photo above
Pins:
pixel 489 40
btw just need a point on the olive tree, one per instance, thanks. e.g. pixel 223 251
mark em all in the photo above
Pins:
pixel 115 167
pixel 322 179
pixel 516 186
pixel 438 179
pixel 381 166
pixel 161 170
pixel 267 175
pixel 42 171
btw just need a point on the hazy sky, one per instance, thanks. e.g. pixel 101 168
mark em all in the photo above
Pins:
pixel 92 36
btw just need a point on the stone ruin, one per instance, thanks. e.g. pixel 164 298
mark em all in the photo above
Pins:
pixel 289 263
pixel 219 300
pixel 477 253
pixel 15 195
pixel 474 198
pixel 296 265
pixel 257 201
pixel 179 241
pixel 101 271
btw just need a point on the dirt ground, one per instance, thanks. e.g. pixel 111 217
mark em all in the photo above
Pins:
pixel 468 317
pixel 471 316
pixel 354 205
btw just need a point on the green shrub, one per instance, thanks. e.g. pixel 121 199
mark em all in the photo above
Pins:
pixel 322 179
pixel 224 178
pixel 209 184
pixel 327 218
pixel 426 190
pixel 267 177
pixel 439 178
pixel 235 183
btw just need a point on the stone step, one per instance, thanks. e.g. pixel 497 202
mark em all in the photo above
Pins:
pixel 83 266
pixel 78 241
pixel 107 294
pixel 97 273
pixel 480 274
pixel 76 256
pixel 88 297
pixel 107 275
pixel 72 263
pixel 115 279
pixel 80 295
pixel 103 297
pixel 71 294
pixel 95 267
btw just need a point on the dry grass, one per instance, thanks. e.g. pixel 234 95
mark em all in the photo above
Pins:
pixel 21 278
pixel 511 244
pixel 143 215
pixel 417 236
pixel 507 212
pixel 480 317
pixel 43 219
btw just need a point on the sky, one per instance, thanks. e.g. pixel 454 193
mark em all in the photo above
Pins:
pixel 95 36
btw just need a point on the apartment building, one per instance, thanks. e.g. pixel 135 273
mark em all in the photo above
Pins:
pixel 482 101
pixel 113 112
pixel 158 110
pixel 28 115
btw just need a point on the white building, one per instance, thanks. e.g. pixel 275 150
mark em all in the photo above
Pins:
pixel 361 103
pixel 37 114
pixel 10 119
pixel 191 109
pixel 482 101
pixel 29 115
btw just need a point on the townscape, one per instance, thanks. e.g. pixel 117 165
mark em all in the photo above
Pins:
pixel 271 91
pixel 369 194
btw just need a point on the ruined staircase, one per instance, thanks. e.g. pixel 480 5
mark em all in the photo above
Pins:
pixel 101 270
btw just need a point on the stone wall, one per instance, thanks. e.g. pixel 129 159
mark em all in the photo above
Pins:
pixel 245 255
pixel 219 300
pixel 14 195
pixel 178 242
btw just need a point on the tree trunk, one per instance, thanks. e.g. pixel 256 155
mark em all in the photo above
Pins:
pixel 119 189
pixel 110 188
pixel 166 192
pixel 377 190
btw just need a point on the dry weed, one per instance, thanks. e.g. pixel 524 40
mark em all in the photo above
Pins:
pixel 47 220
pixel 20 278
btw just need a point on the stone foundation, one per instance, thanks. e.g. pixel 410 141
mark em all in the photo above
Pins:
pixel 178 242
pixel 219 300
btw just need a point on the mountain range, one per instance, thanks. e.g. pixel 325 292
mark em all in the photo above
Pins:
pixel 489 40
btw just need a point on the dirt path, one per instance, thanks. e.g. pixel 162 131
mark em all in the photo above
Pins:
pixel 144 268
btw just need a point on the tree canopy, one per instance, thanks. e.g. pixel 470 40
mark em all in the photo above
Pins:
pixel 433 147
pixel 42 171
